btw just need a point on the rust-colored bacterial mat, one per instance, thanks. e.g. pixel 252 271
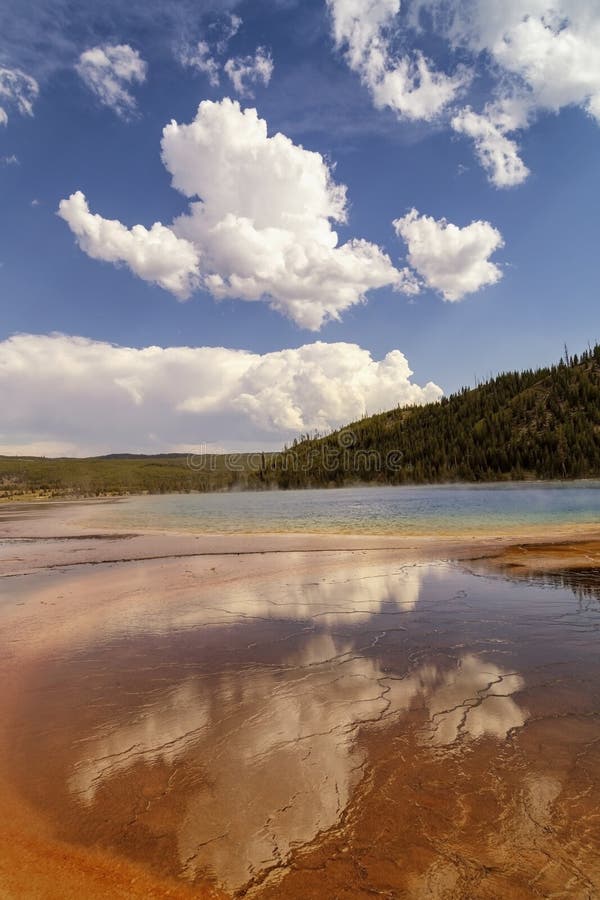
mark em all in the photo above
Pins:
pixel 364 730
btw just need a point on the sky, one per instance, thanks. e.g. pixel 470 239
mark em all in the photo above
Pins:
pixel 226 224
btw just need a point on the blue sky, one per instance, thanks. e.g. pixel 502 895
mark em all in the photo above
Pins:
pixel 393 155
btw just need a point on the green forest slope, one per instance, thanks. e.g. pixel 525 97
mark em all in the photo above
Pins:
pixel 542 424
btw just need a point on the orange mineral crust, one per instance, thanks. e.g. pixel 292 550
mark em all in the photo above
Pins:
pixel 276 718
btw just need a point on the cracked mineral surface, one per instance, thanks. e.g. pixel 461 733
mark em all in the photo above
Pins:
pixel 348 724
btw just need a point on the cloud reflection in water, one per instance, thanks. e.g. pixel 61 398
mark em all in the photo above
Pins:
pixel 278 743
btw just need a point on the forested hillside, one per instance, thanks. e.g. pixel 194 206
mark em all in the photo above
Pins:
pixel 532 424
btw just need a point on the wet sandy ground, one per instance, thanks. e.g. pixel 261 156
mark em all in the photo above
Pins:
pixel 359 720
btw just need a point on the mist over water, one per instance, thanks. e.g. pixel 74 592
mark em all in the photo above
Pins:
pixel 419 510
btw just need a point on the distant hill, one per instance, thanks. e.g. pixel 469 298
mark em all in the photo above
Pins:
pixel 121 473
pixel 542 424
pixel 143 456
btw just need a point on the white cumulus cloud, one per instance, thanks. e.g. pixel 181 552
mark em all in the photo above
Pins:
pixel 72 394
pixel 556 55
pixel 549 46
pixel 16 89
pixel 264 220
pixel 110 71
pixel 452 260
pixel 155 254
pixel 246 70
pixel 406 83
pixel 259 226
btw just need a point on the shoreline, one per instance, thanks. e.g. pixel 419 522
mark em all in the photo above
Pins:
pixel 71 498
pixel 40 536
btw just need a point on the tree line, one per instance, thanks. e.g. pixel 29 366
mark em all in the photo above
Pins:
pixel 542 424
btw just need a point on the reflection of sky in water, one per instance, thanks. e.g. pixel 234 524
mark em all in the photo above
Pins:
pixel 420 510
pixel 278 742
pixel 138 606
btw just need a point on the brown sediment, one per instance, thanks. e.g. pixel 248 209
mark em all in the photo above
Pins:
pixel 184 712
pixel 483 824
pixel 31 867
pixel 34 861
pixel 543 556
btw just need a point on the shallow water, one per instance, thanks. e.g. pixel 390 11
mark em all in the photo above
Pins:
pixel 414 730
pixel 424 510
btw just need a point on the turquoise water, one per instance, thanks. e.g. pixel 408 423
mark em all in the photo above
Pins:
pixel 382 510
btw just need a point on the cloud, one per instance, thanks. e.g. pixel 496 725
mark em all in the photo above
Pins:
pixel 69 392
pixel 225 28
pixel 556 55
pixel 542 57
pixel 243 70
pixel 44 36
pixel 17 89
pixel 497 153
pixel 109 71
pixel 549 46
pixel 154 254
pixel 451 260
pixel 264 221
pixel 259 226
pixel 539 56
pixel 407 84
pixel 201 59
